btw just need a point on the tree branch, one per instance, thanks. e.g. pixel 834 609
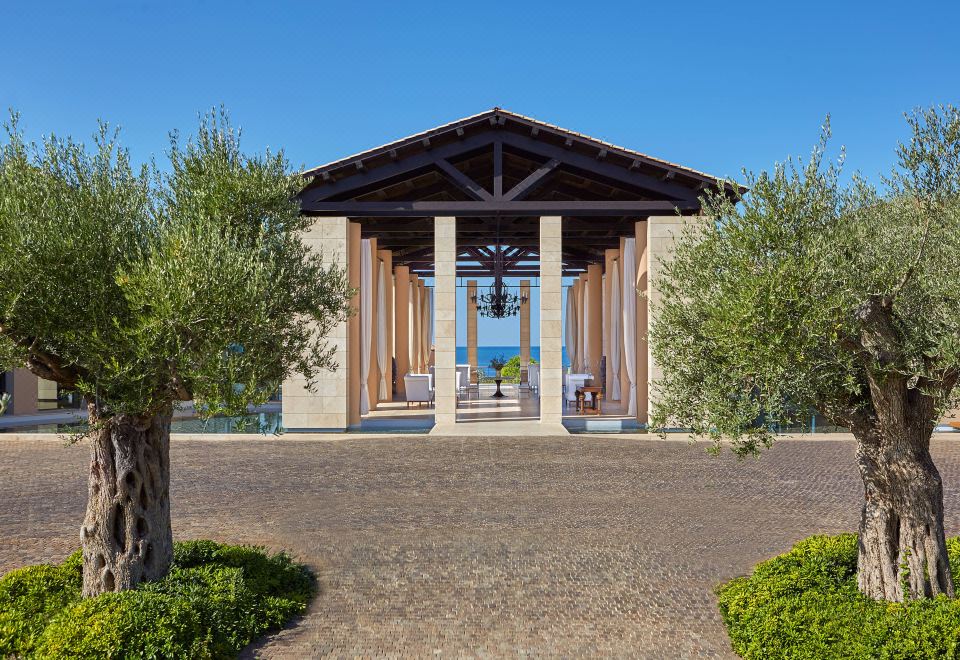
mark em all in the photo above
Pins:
pixel 916 260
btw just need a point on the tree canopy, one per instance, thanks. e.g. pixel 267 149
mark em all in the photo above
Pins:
pixel 806 294
pixel 139 287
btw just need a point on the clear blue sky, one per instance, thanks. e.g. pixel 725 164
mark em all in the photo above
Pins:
pixel 715 86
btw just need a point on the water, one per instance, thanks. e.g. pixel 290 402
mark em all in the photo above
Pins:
pixel 485 353
pixel 262 423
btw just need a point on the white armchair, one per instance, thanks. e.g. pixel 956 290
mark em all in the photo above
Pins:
pixel 573 382
pixel 533 376
pixel 463 378
pixel 419 388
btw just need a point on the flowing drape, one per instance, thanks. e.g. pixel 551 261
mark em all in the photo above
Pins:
pixel 578 367
pixel 414 321
pixel 630 319
pixel 382 332
pixel 426 324
pixel 366 322
pixel 570 337
pixel 616 304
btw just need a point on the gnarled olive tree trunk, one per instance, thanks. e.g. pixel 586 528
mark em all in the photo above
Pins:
pixel 903 552
pixel 126 534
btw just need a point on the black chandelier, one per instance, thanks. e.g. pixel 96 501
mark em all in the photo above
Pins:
pixel 498 302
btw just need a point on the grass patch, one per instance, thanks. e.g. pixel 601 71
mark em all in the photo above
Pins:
pixel 216 600
pixel 805 604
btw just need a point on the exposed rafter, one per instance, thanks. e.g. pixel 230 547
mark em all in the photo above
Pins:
pixel 501 170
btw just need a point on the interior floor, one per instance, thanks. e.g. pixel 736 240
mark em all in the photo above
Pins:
pixel 514 406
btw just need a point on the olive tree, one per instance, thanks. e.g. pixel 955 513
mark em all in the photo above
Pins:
pixel 806 294
pixel 139 289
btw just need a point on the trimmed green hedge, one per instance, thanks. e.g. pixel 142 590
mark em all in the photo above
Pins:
pixel 805 604
pixel 216 600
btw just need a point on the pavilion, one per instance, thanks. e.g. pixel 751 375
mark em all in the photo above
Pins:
pixel 563 207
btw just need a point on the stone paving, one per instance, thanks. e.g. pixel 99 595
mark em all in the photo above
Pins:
pixel 480 546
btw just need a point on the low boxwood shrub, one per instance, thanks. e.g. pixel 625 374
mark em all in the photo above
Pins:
pixel 216 600
pixel 805 604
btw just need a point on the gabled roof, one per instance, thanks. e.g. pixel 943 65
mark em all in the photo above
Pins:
pixel 499 117
pixel 496 172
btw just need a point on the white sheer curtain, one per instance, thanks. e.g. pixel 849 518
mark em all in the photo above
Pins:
pixel 414 328
pixel 382 332
pixel 426 324
pixel 570 337
pixel 616 305
pixel 366 322
pixel 578 366
pixel 630 318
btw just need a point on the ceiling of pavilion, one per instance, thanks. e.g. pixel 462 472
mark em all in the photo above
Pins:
pixel 497 172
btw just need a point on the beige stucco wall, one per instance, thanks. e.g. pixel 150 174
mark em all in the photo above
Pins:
pixel 23 388
pixel 325 408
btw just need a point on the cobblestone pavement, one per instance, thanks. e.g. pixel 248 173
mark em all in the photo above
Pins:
pixel 480 546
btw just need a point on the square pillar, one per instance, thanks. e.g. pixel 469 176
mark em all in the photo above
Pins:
pixel 472 356
pixel 661 236
pixel 551 331
pixel 525 324
pixel 386 263
pixel 355 245
pixel 415 316
pixel 583 345
pixel 624 375
pixel 401 326
pixel 373 378
pixel 424 342
pixel 445 323
pixel 324 407
pixel 594 319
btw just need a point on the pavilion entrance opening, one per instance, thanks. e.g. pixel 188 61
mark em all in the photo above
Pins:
pixel 573 228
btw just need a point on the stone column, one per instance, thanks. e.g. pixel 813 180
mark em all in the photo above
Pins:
pixel 401 326
pixel 551 330
pixel 386 262
pixel 582 346
pixel 353 324
pixel 661 236
pixel 472 358
pixel 594 317
pixel 325 408
pixel 624 377
pixel 373 378
pixel 525 324
pixel 445 324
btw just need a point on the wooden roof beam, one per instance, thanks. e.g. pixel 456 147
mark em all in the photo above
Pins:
pixel 463 182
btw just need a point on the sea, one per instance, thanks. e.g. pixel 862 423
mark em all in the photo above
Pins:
pixel 485 353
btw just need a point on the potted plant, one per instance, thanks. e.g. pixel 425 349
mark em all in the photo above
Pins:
pixel 497 363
